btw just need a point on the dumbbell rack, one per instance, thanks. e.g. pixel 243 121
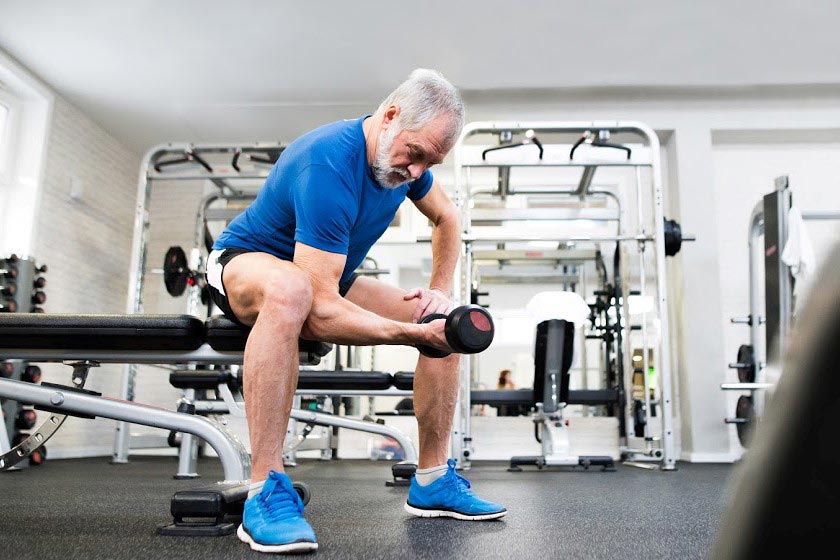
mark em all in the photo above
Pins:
pixel 16 274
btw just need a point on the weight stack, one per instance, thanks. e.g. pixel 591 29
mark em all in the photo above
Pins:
pixel 22 284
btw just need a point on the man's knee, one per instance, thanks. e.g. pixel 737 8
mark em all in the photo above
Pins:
pixel 287 297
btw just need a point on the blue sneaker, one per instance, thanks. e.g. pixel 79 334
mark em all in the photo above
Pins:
pixel 273 519
pixel 450 496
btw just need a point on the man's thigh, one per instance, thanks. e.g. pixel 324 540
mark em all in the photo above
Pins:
pixel 381 298
pixel 246 277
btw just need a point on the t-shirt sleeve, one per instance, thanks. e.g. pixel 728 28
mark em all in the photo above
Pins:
pixel 326 206
pixel 418 188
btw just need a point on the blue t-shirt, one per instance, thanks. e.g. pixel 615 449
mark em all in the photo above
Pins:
pixel 321 192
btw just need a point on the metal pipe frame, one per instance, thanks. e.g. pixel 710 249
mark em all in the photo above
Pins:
pixel 461 440
pixel 235 460
pixel 820 216
pixel 329 420
pixel 756 230
pixel 642 294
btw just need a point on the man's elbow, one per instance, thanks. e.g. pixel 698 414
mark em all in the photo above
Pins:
pixel 316 326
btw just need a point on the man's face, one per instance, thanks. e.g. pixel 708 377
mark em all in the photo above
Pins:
pixel 403 155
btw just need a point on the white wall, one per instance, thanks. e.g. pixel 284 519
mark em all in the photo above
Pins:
pixel 86 243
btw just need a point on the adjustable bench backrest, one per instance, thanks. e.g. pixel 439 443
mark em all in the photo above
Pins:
pixel 552 360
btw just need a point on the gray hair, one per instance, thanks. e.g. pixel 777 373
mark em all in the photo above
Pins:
pixel 425 95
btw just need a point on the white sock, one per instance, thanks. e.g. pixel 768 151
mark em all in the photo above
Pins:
pixel 427 476
pixel 255 488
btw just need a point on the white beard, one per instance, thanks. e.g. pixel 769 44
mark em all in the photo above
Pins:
pixel 386 175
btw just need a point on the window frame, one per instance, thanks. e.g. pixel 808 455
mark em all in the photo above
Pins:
pixel 8 135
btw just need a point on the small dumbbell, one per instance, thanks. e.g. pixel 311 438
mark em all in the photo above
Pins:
pixel 469 329
pixel 26 419
pixel 32 374
pixel 38 457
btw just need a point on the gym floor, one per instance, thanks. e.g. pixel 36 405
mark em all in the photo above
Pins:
pixel 87 508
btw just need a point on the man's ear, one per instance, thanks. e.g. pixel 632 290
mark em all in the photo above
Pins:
pixel 391 113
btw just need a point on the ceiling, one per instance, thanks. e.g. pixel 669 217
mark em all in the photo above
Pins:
pixel 151 71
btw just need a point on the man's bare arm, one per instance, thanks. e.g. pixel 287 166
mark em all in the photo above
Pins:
pixel 334 319
pixel 446 236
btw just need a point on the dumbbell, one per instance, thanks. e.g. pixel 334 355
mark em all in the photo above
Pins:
pixel 9 290
pixel 7 369
pixel 469 330
pixel 26 419
pixel 32 374
pixel 38 456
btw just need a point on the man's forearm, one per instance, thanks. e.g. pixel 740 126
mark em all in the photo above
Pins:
pixel 336 320
pixel 446 249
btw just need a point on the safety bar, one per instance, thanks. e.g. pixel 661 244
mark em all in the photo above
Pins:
pixel 235 459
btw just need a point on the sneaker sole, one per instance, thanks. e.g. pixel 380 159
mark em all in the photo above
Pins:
pixel 291 547
pixel 454 514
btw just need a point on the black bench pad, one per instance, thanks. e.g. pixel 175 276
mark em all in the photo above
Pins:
pixel 100 332
pixel 404 380
pixel 345 380
pixel 307 379
pixel 224 335
pixel 129 333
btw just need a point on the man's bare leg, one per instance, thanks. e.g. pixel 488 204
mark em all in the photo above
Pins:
pixel 275 297
pixel 435 379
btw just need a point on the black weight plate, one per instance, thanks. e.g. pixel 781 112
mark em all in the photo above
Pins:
pixel 673 237
pixel 302 491
pixel 744 409
pixel 175 272
pixel 469 329
pixel 746 356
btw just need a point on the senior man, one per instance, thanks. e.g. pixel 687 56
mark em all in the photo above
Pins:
pixel 285 267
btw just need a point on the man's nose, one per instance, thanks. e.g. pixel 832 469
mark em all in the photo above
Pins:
pixel 416 169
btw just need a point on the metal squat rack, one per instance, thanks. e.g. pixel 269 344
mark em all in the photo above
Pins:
pixel 594 134
pixel 181 162
pixel 770 218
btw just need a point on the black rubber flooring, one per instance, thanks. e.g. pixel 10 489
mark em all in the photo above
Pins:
pixel 90 509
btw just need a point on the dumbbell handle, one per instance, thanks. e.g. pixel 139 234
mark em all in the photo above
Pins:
pixel 739 365
pixel 746 320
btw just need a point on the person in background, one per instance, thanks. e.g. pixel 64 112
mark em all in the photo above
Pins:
pixel 505 382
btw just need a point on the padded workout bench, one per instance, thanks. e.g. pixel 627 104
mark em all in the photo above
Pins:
pixel 85 341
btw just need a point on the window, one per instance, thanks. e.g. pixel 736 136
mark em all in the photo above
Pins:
pixel 8 105
pixel 4 120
